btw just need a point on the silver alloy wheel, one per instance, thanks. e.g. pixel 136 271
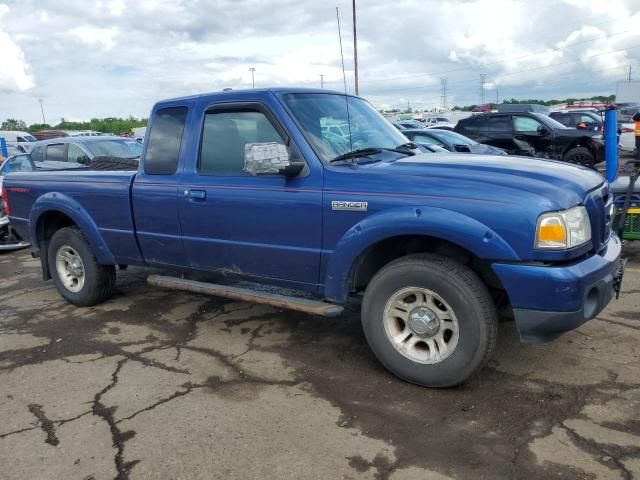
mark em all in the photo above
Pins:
pixel 421 325
pixel 70 268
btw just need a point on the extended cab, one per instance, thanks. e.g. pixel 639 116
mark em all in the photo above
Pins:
pixel 250 184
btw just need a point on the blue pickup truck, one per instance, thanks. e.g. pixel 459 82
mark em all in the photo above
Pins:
pixel 250 184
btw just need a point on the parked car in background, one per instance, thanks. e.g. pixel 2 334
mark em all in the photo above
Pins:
pixel 16 138
pixel 71 152
pixel 627 142
pixel 484 108
pixel 626 111
pixel 9 239
pixel 439 121
pixel 450 141
pixel 409 124
pixel 522 107
pixel 589 120
pixel 528 133
pixel 341 130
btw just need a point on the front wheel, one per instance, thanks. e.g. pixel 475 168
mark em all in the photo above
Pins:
pixel 79 278
pixel 429 320
pixel 580 156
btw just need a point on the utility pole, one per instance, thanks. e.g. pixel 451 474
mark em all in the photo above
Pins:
pixel 355 48
pixel 42 110
pixel 497 96
pixel 483 77
pixel 253 77
pixel 443 83
pixel 629 72
pixel 321 81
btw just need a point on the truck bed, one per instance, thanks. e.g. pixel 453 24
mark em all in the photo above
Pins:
pixel 102 198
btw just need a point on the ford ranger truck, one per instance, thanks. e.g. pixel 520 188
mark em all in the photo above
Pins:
pixel 254 186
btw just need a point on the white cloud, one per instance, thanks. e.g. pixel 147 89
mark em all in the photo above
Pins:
pixel 164 48
pixel 104 37
pixel 14 70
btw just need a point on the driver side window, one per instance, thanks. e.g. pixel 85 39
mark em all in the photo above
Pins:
pixel 525 124
pixel 224 139
pixel 75 153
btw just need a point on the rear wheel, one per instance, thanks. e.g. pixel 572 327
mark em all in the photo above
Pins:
pixel 79 278
pixel 580 156
pixel 429 320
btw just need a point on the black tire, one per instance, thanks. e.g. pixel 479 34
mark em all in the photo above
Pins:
pixel 467 296
pixel 99 280
pixel 580 156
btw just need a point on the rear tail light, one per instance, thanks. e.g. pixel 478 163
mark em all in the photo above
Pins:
pixel 5 197
pixel 627 130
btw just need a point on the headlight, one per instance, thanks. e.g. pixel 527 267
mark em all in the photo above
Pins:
pixel 562 230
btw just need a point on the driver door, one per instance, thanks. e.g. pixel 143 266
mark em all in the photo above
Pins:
pixel 267 226
pixel 533 133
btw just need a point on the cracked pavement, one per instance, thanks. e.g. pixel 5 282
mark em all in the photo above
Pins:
pixel 162 384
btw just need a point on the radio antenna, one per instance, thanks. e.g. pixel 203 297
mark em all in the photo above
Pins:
pixel 344 79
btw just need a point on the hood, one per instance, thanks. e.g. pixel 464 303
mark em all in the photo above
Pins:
pixel 561 184
pixel 575 132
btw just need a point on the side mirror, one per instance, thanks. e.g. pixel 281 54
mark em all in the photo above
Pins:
pixel 461 148
pixel 84 160
pixel 270 158
pixel 543 131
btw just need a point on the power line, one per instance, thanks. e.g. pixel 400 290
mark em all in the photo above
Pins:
pixel 508 59
pixel 518 72
pixel 355 49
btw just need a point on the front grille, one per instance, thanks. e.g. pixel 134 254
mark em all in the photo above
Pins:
pixel 598 204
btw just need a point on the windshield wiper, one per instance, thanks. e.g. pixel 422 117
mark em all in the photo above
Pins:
pixel 365 152
pixel 360 152
pixel 402 148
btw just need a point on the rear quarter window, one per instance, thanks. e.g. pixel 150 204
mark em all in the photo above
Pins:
pixel 165 138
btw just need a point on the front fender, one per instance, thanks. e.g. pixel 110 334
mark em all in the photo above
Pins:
pixel 441 223
pixel 59 202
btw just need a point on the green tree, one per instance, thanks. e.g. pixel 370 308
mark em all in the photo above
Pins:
pixel 13 124
pixel 36 127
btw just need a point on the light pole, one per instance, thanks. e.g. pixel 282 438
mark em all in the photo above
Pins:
pixel 321 81
pixel 42 110
pixel 355 49
pixel 253 77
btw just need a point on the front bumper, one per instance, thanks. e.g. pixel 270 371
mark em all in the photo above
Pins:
pixel 548 301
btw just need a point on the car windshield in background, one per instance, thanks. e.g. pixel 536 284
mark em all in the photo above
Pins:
pixel 451 137
pixel 548 121
pixel 115 148
pixel 316 112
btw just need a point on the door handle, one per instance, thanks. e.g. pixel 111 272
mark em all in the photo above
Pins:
pixel 196 194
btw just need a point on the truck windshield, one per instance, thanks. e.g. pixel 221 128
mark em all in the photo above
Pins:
pixel 115 148
pixel 363 127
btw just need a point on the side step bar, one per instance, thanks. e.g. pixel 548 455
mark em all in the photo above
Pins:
pixel 315 307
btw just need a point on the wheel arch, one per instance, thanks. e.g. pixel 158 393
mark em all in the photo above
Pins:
pixel 385 236
pixel 54 211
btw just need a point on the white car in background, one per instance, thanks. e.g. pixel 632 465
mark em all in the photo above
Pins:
pixel 627 141
pixel 22 140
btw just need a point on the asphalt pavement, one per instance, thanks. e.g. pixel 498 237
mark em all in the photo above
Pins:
pixel 156 384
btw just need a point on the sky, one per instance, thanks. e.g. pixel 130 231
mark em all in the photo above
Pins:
pixel 117 57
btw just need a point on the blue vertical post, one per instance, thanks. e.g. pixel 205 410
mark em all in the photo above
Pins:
pixel 611 142
pixel 3 147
